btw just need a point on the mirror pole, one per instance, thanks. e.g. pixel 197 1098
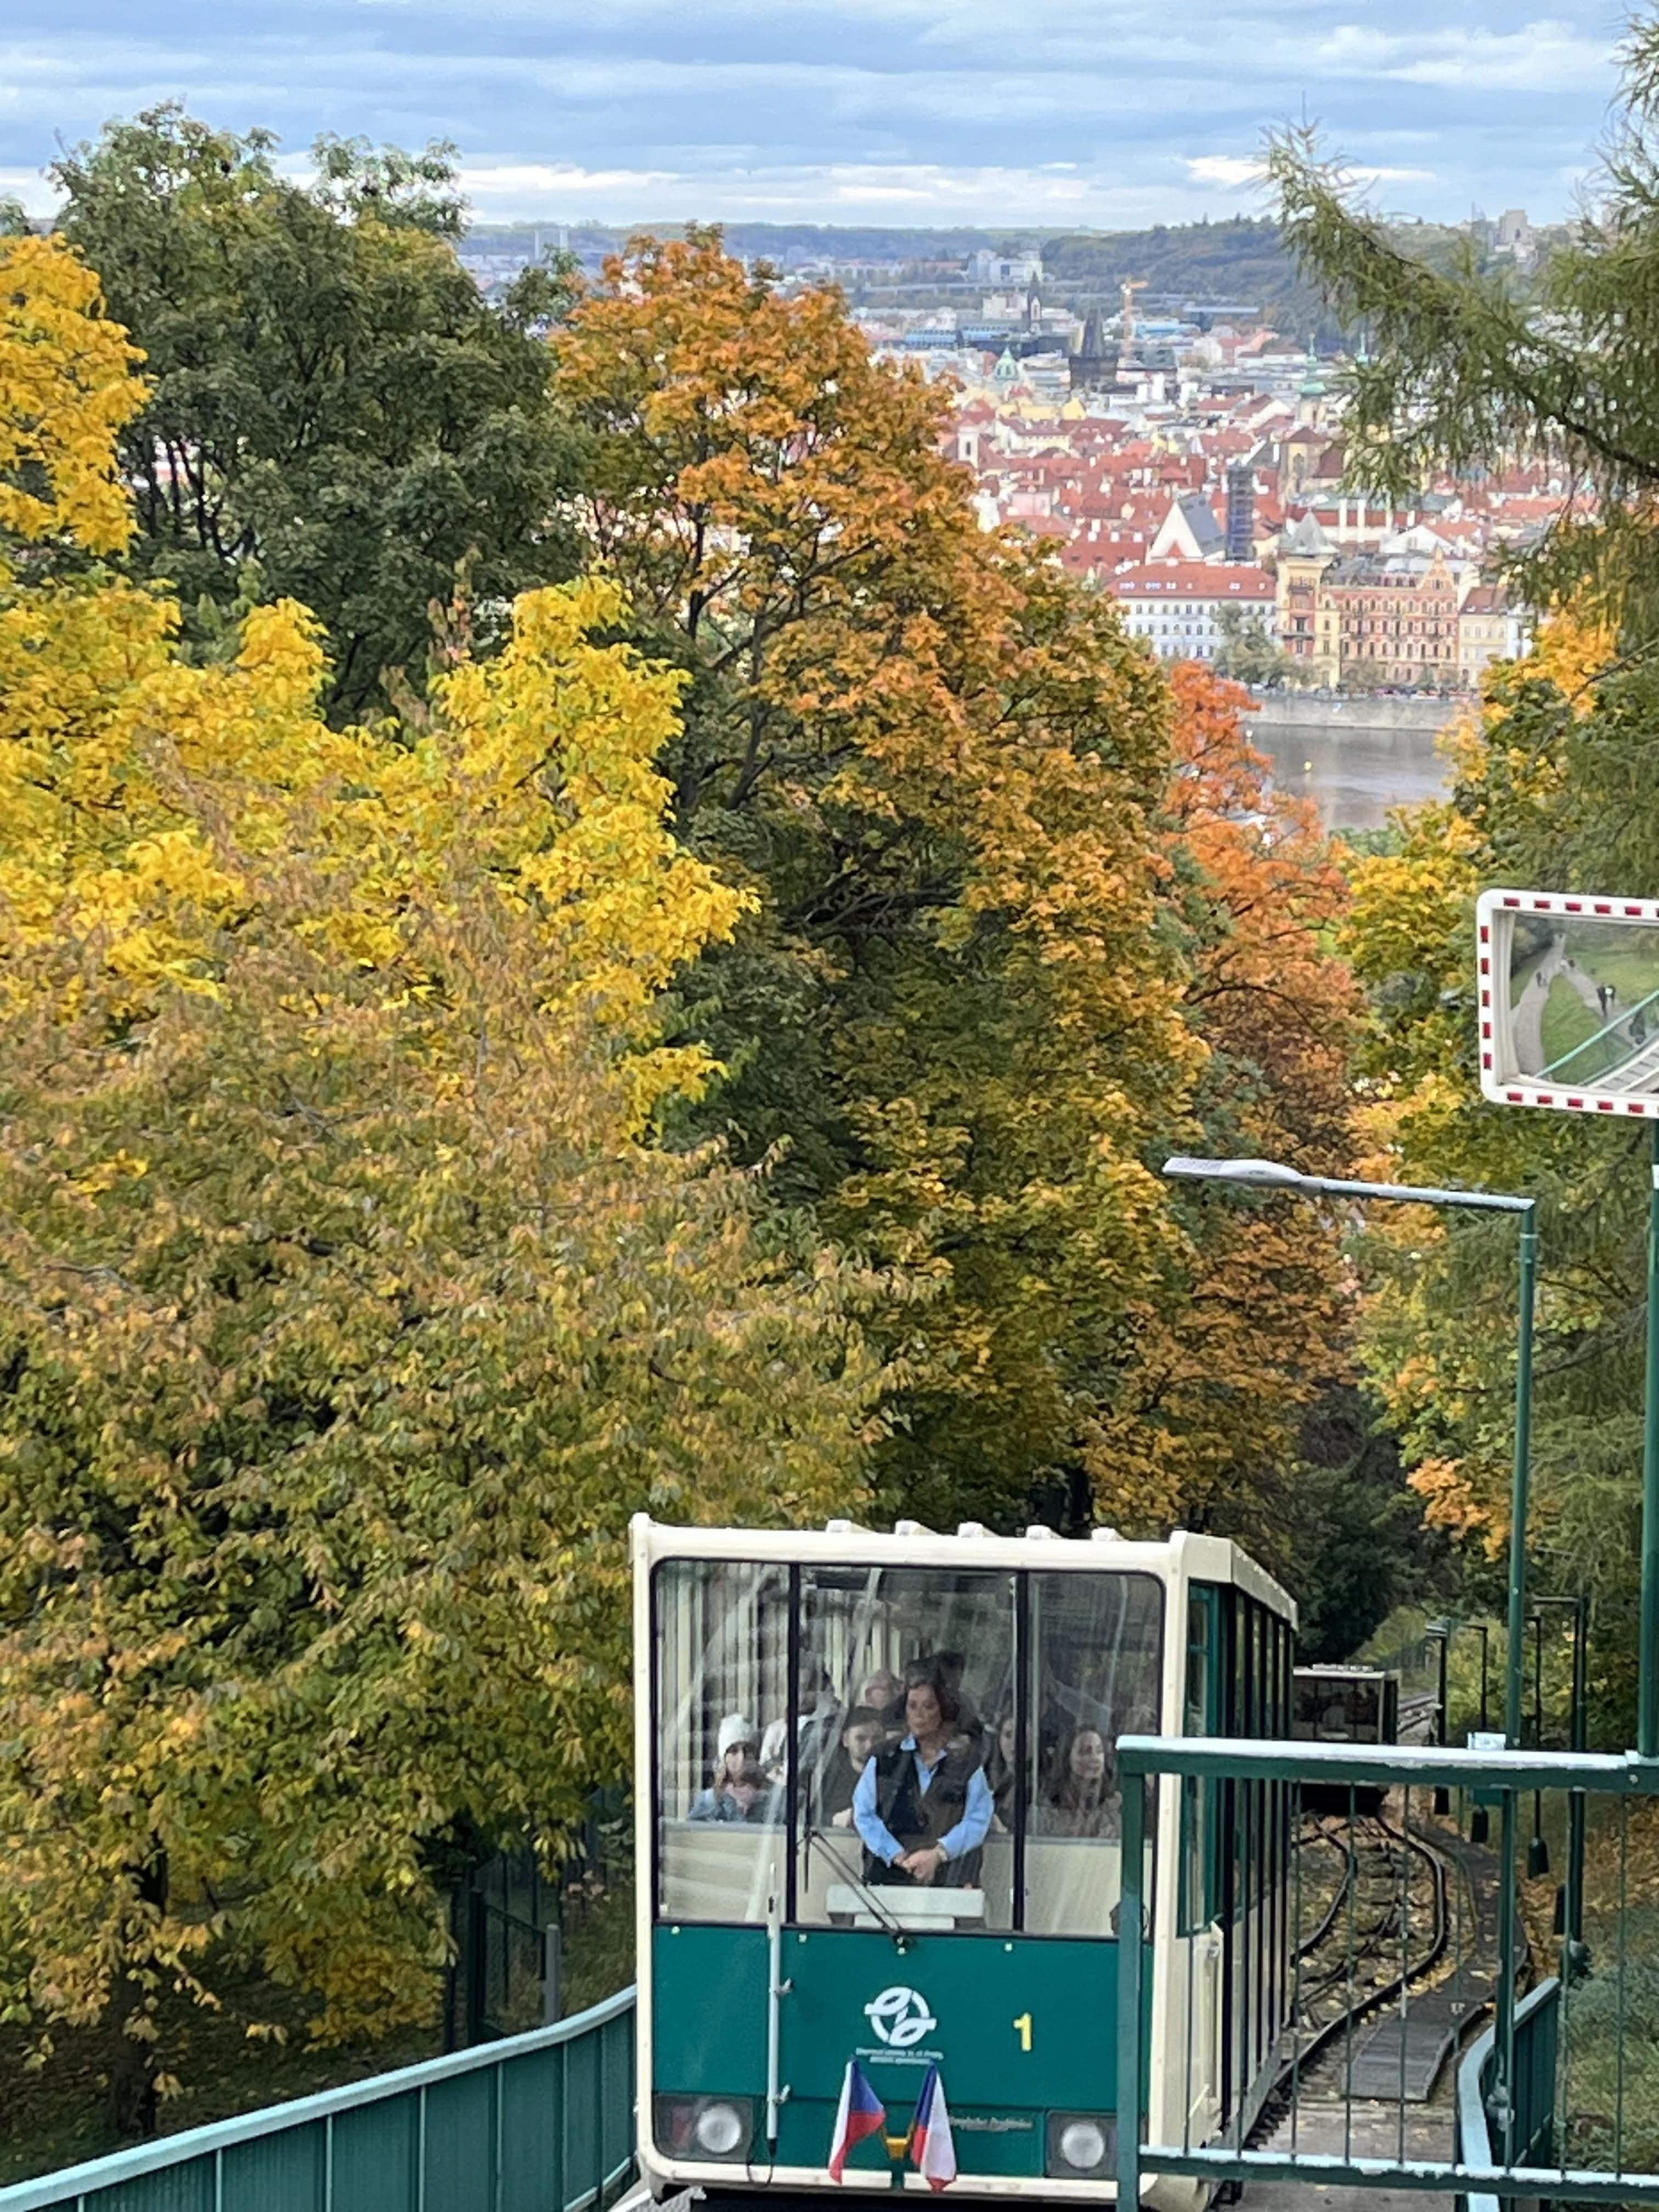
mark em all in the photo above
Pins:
pixel 1647 1725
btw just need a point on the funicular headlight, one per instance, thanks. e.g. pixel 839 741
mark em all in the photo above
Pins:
pixel 719 2129
pixel 704 2127
pixel 1082 2146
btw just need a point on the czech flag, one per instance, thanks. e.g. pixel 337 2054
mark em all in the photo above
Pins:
pixel 932 2146
pixel 860 2113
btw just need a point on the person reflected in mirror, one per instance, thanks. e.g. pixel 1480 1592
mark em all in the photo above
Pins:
pixel 921 1806
pixel 1082 1796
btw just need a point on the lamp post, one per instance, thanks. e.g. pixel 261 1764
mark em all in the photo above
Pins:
pixel 1273 1175
pixel 1439 1631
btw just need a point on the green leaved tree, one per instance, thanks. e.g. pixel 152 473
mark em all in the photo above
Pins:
pixel 1473 369
pixel 332 402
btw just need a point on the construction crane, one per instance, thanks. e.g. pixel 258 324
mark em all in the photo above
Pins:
pixel 1129 287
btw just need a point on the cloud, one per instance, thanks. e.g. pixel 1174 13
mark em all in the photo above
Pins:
pixel 1238 170
pixel 923 109
pixel 1229 169
pixel 1056 195
pixel 31 189
pixel 1541 57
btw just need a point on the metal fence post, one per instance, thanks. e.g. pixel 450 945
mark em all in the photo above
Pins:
pixel 552 1974
pixel 1646 1724
pixel 1131 1938
pixel 1515 1656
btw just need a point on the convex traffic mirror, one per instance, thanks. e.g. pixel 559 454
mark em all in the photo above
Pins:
pixel 1569 1001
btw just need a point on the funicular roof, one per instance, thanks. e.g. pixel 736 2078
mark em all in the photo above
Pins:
pixel 1204 1558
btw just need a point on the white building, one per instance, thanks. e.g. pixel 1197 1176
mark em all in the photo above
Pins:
pixel 1176 605
pixel 987 268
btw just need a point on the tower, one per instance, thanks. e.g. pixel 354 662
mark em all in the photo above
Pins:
pixel 1093 366
pixel 1311 401
pixel 1240 512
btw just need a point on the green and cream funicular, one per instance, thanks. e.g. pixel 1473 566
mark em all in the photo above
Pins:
pixel 769 1953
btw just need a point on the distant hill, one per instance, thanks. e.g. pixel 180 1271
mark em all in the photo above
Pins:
pixel 1239 263
pixel 787 244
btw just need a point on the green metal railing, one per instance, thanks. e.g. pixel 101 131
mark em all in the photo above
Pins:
pixel 1537 2019
pixel 1556 2070
pixel 537 2123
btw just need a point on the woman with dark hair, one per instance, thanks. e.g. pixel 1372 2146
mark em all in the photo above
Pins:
pixel 923 1805
pixel 1082 1796
pixel 1001 1743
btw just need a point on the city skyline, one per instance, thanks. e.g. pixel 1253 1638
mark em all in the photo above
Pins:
pixel 917 112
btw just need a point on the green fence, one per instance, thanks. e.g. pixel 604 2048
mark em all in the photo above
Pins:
pixel 1560 2099
pixel 538 2123
pixel 1536 2020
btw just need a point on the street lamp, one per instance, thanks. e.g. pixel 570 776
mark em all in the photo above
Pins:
pixel 1439 1631
pixel 1273 1175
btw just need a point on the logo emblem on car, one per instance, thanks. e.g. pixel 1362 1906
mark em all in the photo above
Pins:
pixel 900 2017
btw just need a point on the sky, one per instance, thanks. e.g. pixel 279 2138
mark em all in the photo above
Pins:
pixel 1041 114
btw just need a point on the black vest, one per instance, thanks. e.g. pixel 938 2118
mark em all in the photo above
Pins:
pixel 915 1818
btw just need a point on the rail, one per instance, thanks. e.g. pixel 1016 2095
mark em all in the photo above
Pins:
pixel 1516 2079
pixel 536 2123
pixel 1537 2019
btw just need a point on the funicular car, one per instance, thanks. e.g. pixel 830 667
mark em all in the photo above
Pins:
pixel 823 1954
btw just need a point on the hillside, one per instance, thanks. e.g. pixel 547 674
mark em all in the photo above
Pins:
pixel 1239 262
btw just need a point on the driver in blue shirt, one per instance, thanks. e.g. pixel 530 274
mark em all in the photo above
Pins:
pixel 923 1805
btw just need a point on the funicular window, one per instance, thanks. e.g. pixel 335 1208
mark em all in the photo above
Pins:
pixel 722 1649
pixel 1254 1816
pixel 1096 1674
pixel 865 1746
pixel 1365 1717
pixel 1200 1881
pixel 906 1728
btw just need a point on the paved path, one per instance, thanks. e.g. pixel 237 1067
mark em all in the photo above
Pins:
pixel 1527 1019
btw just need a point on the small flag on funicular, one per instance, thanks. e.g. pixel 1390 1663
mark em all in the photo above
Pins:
pixel 860 2113
pixel 932 2146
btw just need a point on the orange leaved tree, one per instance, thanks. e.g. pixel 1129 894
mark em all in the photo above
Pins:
pixel 1265 1327
pixel 966 1001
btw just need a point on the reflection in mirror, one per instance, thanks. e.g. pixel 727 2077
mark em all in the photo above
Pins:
pixel 1583 1002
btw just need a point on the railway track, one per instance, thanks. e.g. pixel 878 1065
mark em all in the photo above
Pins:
pixel 1384 1928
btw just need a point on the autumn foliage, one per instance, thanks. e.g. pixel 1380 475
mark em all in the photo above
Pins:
pixel 1265 1324
pixel 344 1316
pixel 934 765
pixel 712 1053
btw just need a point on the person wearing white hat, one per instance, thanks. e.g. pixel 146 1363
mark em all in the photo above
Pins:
pixel 738 1789
pixel 736 1729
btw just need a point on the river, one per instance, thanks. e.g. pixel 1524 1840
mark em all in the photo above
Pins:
pixel 1356 774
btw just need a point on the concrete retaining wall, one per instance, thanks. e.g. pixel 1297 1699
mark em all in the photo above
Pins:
pixel 1290 710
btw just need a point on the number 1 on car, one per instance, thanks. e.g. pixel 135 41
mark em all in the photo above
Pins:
pixel 1022 2030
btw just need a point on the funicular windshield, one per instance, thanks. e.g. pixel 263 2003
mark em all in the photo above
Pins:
pixel 854 1746
pixel 1338 1708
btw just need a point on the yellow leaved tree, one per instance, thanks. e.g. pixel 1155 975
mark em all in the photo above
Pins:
pixel 345 1313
